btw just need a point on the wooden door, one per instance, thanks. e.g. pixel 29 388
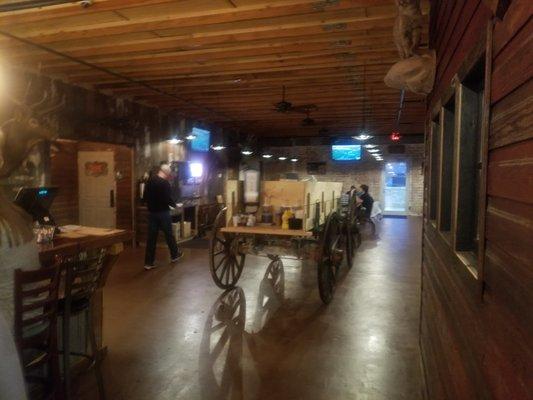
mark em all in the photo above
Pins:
pixel 97 189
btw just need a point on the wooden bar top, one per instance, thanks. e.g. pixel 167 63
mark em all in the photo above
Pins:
pixel 71 242
pixel 266 230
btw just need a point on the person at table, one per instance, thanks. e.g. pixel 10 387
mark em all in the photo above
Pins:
pixel 157 195
pixel 366 200
pixel 352 191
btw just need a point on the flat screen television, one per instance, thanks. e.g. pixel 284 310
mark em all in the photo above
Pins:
pixel 201 141
pixel 345 152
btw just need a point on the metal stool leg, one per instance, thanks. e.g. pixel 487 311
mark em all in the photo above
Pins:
pixel 66 355
pixel 96 356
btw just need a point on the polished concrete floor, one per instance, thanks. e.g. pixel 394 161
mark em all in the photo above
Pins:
pixel 172 334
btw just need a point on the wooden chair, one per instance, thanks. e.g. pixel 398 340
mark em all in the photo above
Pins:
pixel 36 302
pixel 84 275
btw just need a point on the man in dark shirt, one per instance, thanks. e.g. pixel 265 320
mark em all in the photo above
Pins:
pixel 158 199
pixel 367 200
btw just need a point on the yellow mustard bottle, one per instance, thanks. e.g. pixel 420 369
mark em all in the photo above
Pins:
pixel 285 219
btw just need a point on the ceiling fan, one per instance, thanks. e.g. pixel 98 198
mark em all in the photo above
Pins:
pixel 308 121
pixel 284 106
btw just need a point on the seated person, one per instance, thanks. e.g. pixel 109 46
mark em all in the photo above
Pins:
pixel 366 201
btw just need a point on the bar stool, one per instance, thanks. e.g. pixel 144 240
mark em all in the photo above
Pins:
pixel 36 302
pixel 83 277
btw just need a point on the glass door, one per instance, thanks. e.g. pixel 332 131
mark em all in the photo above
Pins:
pixel 395 188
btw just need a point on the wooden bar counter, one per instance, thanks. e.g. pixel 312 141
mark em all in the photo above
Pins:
pixel 75 240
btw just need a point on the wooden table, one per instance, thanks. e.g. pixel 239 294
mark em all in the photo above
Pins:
pixel 65 244
pixel 72 243
pixel 265 230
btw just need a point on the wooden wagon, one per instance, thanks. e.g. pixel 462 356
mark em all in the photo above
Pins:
pixel 329 233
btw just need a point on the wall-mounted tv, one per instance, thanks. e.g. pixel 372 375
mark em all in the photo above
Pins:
pixel 345 152
pixel 201 141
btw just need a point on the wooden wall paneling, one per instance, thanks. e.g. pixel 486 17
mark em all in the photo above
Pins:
pixel 64 175
pixel 517 15
pixel 468 10
pixel 512 119
pixel 455 291
pixel 513 66
pixel 508 282
pixel 435 389
pixel 451 366
pixel 450 11
pixel 466 34
pixel 498 7
pixel 123 164
pixel 510 172
pixel 508 227
pixel 508 359
pixel 491 336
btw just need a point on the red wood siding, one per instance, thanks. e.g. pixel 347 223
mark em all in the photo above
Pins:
pixel 479 345
pixel 64 175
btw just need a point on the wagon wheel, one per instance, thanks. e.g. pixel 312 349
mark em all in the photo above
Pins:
pixel 331 252
pixel 352 224
pixel 226 261
pixel 352 241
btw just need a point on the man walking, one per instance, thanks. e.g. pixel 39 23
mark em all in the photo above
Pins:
pixel 158 199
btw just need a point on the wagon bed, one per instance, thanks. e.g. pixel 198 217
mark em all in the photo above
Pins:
pixel 265 230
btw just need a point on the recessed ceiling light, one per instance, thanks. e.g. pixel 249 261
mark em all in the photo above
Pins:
pixel 267 155
pixel 370 146
pixel 294 159
pixel 247 152
pixel 373 150
pixel 190 136
pixel 282 158
pixel 218 147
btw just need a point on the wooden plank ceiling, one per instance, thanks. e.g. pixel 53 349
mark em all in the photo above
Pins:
pixel 225 61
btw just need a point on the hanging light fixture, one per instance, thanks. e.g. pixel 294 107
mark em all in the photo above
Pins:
pixel 363 135
pixel 174 140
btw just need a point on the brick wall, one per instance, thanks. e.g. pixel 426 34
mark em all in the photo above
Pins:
pixel 366 171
